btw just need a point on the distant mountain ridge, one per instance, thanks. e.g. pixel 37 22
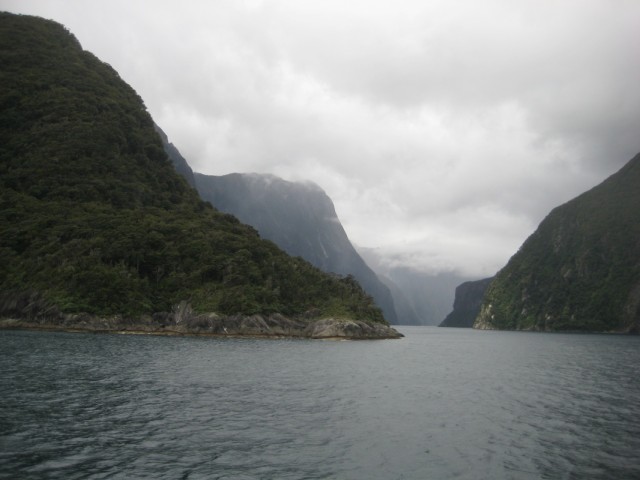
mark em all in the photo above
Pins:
pixel 580 270
pixel 420 297
pixel 298 217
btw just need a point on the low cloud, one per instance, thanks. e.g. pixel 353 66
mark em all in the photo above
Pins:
pixel 443 132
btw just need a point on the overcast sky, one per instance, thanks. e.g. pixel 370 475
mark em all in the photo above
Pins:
pixel 444 131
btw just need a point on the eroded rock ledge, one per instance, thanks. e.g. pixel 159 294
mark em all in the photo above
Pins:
pixel 182 321
pixel 275 326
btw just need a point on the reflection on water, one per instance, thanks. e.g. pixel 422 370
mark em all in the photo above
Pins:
pixel 441 403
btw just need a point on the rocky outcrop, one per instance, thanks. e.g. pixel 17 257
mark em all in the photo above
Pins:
pixel 31 312
pixel 466 305
pixel 349 329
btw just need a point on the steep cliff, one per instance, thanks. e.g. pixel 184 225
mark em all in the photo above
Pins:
pixel 580 270
pixel 298 217
pixel 466 305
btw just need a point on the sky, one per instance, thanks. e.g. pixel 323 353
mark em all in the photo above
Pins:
pixel 443 131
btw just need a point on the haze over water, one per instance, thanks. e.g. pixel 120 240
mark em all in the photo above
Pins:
pixel 441 403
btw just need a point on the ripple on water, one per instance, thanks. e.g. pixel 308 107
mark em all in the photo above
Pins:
pixel 441 403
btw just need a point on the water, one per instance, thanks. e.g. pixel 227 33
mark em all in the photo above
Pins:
pixel 440 403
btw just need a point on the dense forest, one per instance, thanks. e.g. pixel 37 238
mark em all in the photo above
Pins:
pixel 94 218
pixel 580 270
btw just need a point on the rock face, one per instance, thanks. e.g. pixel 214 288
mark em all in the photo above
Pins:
pixel 298 217
pixel 349 329
pixel 580 270
pixel 466 305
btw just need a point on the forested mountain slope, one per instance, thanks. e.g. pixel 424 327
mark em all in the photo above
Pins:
pixel 580 270
pixel 93 216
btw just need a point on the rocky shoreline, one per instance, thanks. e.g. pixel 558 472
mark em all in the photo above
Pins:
pixel 256 326
pixel 30 311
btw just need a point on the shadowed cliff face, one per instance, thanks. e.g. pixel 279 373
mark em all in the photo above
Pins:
pixel 466 305
pixel 298 217
pixel 580 270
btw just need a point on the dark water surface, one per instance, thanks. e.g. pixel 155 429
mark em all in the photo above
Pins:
pixel 441 403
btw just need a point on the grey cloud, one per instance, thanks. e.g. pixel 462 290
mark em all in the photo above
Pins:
pixel 443 131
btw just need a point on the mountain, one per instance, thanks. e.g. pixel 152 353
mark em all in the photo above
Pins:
pixel 580 270
pixel 94 218
pixel 430 294
pixel 466 305
pixel 421 298
pixel 298 217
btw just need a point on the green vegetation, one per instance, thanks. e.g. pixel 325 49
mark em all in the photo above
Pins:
pixel 580 270
pixel 94 217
